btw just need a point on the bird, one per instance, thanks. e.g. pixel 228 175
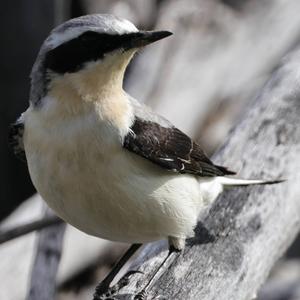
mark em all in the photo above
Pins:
pixel 104 162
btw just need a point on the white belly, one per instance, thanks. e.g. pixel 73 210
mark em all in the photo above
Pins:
pixel 107 191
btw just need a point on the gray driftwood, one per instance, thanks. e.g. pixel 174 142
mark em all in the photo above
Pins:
pixel 45 266
pixel 21 230
pixel 247 229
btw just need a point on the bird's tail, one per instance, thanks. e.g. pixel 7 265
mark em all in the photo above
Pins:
pixel 231 182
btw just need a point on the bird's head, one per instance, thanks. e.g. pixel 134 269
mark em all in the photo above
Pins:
pixel 86 52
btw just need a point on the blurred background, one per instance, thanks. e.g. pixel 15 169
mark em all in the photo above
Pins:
pixel 201 79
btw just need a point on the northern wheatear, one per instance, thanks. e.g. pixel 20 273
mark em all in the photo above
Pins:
pixel 102 161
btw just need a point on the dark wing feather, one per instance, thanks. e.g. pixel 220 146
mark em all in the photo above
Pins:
pixel 170 148
pixel 15 139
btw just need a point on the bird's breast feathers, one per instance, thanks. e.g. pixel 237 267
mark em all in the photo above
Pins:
pixel 80 168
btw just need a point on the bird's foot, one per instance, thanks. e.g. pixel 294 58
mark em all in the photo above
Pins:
pixel 163 266
pixel 104 292
pixel 141 295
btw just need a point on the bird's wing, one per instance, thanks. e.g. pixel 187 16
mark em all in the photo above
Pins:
pixel 15 139
pixel 156 139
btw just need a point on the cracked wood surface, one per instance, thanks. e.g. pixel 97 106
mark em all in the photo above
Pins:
pixel 246 230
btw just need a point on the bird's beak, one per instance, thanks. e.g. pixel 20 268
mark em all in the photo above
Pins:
pixel 143 38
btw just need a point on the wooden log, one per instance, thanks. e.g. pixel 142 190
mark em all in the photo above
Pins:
pixel 247 229
pixel 18 231
pixel 45 266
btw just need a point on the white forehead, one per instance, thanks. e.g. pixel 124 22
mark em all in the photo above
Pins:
pixel 98 23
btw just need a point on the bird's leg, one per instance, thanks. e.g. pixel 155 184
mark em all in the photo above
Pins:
pixel 163 266
pixel 102 290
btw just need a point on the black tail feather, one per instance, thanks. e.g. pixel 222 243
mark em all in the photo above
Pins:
pixel 225 171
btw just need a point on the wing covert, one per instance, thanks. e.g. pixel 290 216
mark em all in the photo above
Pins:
pixel 171 149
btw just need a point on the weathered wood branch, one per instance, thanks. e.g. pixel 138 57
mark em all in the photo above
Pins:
pixel 45 266
pixel 247 229
pixel 21 230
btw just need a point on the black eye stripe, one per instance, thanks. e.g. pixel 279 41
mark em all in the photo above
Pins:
pixel 89 46
pixel 89 35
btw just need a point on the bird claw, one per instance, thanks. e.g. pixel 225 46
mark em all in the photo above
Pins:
pixel 141 295
pixel 103 292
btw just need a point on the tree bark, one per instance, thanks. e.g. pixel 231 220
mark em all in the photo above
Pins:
pixel 247 229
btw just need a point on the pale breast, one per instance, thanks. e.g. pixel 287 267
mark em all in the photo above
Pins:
pixel 83 173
